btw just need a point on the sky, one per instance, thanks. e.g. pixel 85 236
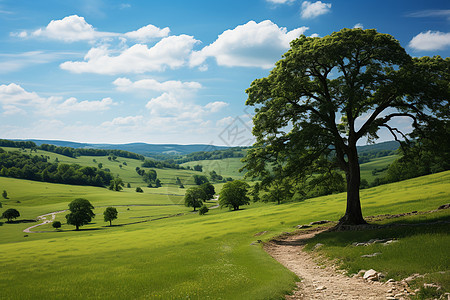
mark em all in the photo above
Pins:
pixel 173 71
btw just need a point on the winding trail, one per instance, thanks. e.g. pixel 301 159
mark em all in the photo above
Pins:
pixel 322 281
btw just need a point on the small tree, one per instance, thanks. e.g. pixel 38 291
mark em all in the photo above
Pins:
pixel 200 179
pixel 56 224
pixel 10 214
pixel 116 184
pixel 234 194
pixel 194 197
pixel 209 190
pixel 139 190
pixel 5 194
pixel 110 214
pixel 203 210
pixel 80 213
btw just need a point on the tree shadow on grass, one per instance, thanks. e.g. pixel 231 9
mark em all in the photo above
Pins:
pixel 392 229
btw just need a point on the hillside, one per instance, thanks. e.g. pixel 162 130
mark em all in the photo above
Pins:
pixel 184 256
pixel 139 148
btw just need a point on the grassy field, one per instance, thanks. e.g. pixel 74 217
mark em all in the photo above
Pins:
pixel 188 256
pixel 229 167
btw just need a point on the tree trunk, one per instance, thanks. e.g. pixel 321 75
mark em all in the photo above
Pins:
pixel 353 213
pixel 110 223
pixel 76 227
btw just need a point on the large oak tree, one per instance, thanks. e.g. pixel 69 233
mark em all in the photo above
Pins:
pixel 326 94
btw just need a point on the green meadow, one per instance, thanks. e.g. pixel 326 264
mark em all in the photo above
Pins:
pixel 185 255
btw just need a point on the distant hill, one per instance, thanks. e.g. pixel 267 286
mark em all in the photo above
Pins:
pixel 139 148
pixel 390 146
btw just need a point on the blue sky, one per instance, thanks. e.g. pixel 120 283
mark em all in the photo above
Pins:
pixel 170 71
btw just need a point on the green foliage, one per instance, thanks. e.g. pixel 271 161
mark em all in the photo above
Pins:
pixel 80 212
pixel 5 194
pixel 10 214
pixel 194 197
pixel 234 194
pixel 200 179
pixel 56 224
pixel 376 82
pixel 139 190
pixel 33 167
pixel 198 168
pixel 209 190
pixel 215 177
pixel 203 210
pixel 110 214
pixel 116 184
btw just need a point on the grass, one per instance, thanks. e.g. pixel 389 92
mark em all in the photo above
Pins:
pixel 422 247
pixel 190 256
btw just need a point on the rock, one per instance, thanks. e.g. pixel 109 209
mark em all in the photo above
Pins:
pixel 399 295
pixel 361 273
pixel 391 298
pixel 371 275
pixel 260 233
pixel 387 243
pixel 444 206
pixel 371 255
pixel 317 246
pixel 319 222
pixel 302 226
pixel 431 286
pixel 390 281
pixel 320 288
pixel 411 278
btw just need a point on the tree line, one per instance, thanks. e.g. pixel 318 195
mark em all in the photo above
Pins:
pixel 68 151
pixel 33 167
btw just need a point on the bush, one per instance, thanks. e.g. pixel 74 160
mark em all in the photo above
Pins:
pixel 139 190
pixel 56 224
pixel 203 210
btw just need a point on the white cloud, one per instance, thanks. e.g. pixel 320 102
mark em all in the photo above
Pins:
pixel 358 25
pixel 311 10
pixel 171 52
pixel 249 45
pixel 224 121
pixel 125 84
pixel 147 33
pixel 75 28
pixel 430 40
pixel 124 121
pixel 70 29
pixel 15 100
pixel 216 106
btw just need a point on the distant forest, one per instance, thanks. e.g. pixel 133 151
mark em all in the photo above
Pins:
pixel 33 167
pixel 70 152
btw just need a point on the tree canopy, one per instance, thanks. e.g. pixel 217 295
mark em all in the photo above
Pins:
pixel 326 94
pixel 234 194
pixel 194 197
pixel 110 214
pixel 10 214
pixel 80 213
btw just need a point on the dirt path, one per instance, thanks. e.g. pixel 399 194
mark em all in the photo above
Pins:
pixel 321 282
pixel 44 220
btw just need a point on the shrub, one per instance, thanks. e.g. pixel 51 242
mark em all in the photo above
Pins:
pixel 203 210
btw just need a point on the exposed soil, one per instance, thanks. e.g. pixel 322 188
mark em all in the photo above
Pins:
pixel 322 281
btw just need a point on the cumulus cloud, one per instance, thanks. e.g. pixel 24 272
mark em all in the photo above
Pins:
pixel 358 25
pixel 171 52
pixel 75 28
pixel 124 84
pixel 311 10
pixel 15 100
pixel 124 121
pixel 430 40
pixel 216 106
pixel 249 45
pixel 147 33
